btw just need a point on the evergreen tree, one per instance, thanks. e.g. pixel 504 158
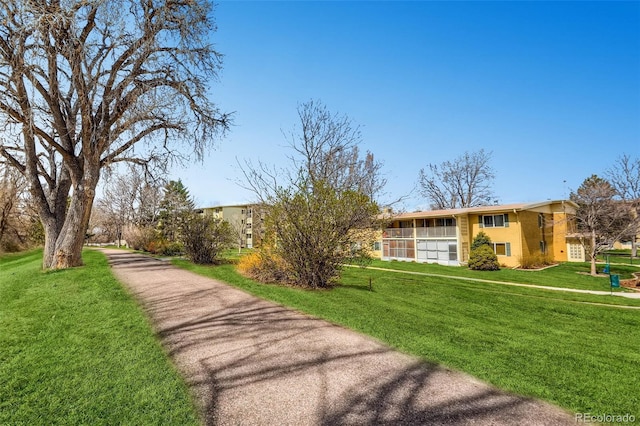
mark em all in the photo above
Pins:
pixel 482 257
pixel 175 207
pixel 480 240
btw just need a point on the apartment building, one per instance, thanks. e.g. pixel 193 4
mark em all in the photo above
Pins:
pixel 245 219
pixel 516 230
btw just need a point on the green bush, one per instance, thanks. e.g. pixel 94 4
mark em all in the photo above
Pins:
pixel 483 258
pixel 205 238
pixel 171 249
pixel 163 247
pixel 480 240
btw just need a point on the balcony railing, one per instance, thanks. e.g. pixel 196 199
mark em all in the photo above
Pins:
pixel 436 232
pixel 398 233
pixel 431 232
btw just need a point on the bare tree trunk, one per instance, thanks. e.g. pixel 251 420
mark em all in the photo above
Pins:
pixel 63 249
pixel 51 233
pixel 593 254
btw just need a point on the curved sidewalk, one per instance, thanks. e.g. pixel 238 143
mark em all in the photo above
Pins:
pixel 252 362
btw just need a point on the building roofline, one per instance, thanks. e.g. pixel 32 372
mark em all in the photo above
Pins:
pixel 228 205
pixel 479 209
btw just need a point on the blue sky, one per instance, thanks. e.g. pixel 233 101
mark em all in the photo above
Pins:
pixel 552 89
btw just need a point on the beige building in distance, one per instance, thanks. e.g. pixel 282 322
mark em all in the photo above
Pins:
pixel 245 219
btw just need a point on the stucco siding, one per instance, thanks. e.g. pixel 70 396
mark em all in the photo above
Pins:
pixel 508 233
pixel 532 233
pixel 560 227
pixel 516 231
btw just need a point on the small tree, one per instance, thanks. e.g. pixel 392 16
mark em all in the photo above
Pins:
pixel 601 220
pixel 204 238
pixel 624 177
pixel 129 207
pixel 14 213
pixel 317 208
pixel 463 182
pixel 239 228
pixel 315 229
pixel 482 257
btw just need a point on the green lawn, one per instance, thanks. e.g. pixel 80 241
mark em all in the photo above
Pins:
pixel 565 275
pixel 551 345
pixel 76 349
pixel 619 256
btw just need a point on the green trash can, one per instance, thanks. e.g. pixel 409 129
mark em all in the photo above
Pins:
pixel 615 280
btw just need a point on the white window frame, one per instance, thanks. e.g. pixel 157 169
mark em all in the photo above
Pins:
pixel 507 248
pixel 503 217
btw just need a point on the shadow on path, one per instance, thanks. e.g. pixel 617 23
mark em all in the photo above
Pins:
pixel 252 362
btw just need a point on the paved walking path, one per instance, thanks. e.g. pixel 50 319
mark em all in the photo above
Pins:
pixel 252 362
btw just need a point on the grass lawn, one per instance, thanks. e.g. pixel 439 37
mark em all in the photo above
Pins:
pixel 76 349
pixel 549 345
pixel 565 275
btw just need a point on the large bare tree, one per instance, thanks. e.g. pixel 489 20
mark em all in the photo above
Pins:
pixel 88 83
pixel 322 210
pixel 463 182
pixel 624 176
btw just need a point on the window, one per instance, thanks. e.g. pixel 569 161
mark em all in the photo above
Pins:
pixel 576 252
pixel 399 249
pixel 445 221
pixel 453 250
pixel 377 246
pixel 541 221
pixel 248 236
pixel 543 247
pixel 437 250
pixel 494 221
pixel 502 249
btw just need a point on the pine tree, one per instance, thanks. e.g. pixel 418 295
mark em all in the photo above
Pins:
pixel 175 207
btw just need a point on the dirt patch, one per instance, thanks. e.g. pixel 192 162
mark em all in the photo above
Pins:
pixel 632 283
pixel 537 268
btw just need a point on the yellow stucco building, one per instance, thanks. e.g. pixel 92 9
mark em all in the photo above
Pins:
pixel 516 231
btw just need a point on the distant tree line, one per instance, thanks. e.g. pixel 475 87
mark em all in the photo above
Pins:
pixel 158 218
